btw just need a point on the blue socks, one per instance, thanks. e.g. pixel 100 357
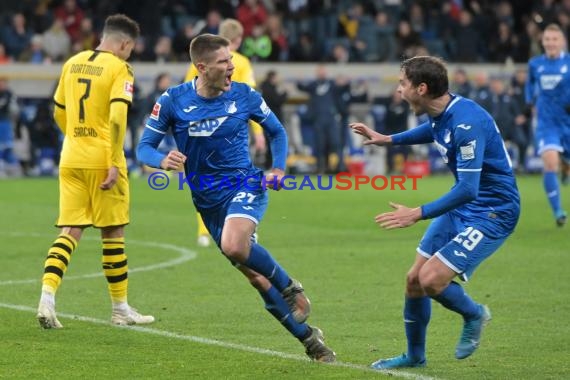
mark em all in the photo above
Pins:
pixel 552 189
pixel 276 305
pixel 261 261
pixel 417 312
pixel 454 298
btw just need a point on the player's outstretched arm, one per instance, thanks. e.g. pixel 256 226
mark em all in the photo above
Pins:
pixel 401 217
pixel 374 138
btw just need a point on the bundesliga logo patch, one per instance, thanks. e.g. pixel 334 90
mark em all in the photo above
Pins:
pixel 468 151
pixel 129 89
pixel 155 111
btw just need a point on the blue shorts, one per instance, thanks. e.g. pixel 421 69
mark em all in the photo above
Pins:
pixel 244 204
pixel 552 139
pixel 461 245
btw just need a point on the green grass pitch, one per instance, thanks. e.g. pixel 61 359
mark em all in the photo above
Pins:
pixel 211 324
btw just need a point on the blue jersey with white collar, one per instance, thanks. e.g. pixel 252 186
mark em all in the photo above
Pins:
pixel 213 134
pixel 548 87
pixel 471 145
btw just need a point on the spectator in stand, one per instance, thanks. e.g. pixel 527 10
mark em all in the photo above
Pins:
pixel 163 50
pixel 340 54
pixel 563 19
pixel 467 38
pixel 141 52
pixel 534 33
pixel 523 119
pixel 213 20
pixel 181 41
pixel 41 17
pixel 481 93
pixel 505 111
pixel 546 11
pixel 57 43
pixel 296 19
pixel 407 40
pixel 305 49
pixel 87 38
pixel 279 44
pixel 363 43
pixel 396 121
pixel 4 58
pixel 8 114
pixel 385 46
pixel 275 97
pixel 257 46
pixel 460 83
pixel 323 114
pixel 71 15
pixel 44 136
pixel 503 47
pixel 251 13
pixel 16 36
pixel 34 53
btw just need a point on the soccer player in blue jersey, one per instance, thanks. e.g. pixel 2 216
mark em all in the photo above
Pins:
pixel 548 88
pixel 208 117
pixel 470 222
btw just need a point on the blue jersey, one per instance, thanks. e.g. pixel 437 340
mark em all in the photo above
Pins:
pixel 213 134
pixel 548 87
pixel 471 145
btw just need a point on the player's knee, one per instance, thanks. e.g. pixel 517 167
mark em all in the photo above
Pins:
pixel 234 251
pixel 413 286
pixel 430 283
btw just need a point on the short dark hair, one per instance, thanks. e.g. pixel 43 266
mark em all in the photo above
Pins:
pixel 428 70
pixel 202 46
pixel 119 23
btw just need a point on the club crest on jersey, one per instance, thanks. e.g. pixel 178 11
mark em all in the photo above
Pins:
pixel 205 127
pixel 155 111
pixel 231 107
pixel 468 151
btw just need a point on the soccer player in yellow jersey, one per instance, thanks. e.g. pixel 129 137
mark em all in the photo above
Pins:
pixel 91 103
pixel 243 72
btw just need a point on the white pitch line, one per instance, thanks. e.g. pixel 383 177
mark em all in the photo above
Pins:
pixel 185 255
pixel 219 343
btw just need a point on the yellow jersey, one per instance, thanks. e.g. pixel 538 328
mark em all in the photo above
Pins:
pixel 90 81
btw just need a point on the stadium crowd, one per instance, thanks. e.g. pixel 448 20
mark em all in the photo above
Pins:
pixel 288 31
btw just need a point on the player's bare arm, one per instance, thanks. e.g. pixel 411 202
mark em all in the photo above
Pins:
pixel 374 138
pixel 173 160
pixel 401 217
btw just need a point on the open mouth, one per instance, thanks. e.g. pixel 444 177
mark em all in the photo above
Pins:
pixel 228 79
